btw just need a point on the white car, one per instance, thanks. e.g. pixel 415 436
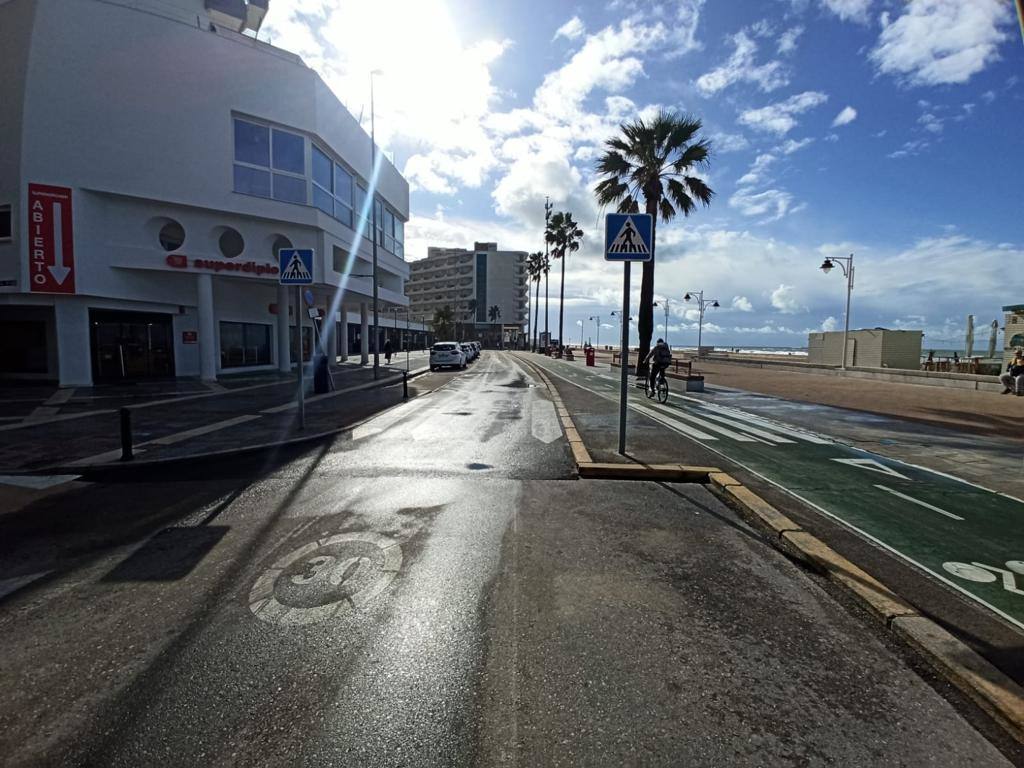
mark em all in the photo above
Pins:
pixel 469 351
pixel 447 354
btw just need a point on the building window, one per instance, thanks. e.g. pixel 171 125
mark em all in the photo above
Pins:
pixel 244 344
pixel 389 231
pixel 231 243
pixel 399 238
pixel 332 187
pixel 378 208
pixel 359 203
pixel 343 195
pixel 269 162
pixel 172 236
pixel 6 223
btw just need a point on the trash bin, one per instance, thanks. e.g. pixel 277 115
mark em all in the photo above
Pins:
pixel 590 356
pixel 321 376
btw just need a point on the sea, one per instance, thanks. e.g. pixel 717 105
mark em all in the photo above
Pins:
pixel 801 352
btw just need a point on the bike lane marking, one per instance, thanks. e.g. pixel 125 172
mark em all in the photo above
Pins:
pixel 844 491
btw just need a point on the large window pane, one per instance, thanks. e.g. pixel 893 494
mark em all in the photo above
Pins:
pixel 322 169
pixel 343 185
pixel 252 143
pixel 250 181
pixel 389 223
pixel 343 213
pixel 257 344
pixel 232 345
pixel 379 211
pixel 289 152
pixel 243 344
pixel 399 231
pixel 289 189
pixel 323 200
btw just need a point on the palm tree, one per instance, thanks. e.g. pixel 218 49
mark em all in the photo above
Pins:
pixel 470 312
pixel 444 320
pixel 547 264
pixel 564 235
pixel 641 163
pixel 494 313
pixel 535 268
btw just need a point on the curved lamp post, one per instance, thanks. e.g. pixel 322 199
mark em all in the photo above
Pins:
pixel 846 264
pixel 702 305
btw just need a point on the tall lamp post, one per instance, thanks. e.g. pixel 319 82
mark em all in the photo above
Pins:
pixel 846 264
pixel 665 305
pixel 703 304
pixel 373 239
pixel 597 326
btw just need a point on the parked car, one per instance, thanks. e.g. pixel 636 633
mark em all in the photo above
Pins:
pixel 447 354
pixel 477 347
pixel 469 350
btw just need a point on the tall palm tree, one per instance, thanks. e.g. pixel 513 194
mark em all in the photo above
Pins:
pixel 564 236
pixel 494 313
pixel 647 158
pixel 444 320
pixel 547 264
pixel 535 268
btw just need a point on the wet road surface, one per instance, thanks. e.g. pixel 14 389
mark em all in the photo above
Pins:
pixel 437 588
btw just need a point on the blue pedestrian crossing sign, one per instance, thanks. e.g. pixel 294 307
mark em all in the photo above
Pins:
pixel 627 237
pixel 296 266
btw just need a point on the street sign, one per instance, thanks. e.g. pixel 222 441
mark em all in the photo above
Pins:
pixel 296 266
pixel 627 237
pixel 51 253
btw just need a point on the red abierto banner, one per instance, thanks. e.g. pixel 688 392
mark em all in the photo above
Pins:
pixel 51 244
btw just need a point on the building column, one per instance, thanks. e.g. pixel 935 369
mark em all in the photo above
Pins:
pixel 74 352
pixel 343 331
pixel 207 328
pixel 284 355
pixel 328 338
pixel 364 334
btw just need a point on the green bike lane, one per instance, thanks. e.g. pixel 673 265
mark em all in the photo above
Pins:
pixel 968 537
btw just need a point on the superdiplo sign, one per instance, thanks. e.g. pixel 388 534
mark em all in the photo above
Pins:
pixel 249 268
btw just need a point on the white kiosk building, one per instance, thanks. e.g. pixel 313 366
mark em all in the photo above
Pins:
pixel 154 157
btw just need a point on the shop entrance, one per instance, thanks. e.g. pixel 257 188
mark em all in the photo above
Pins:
pixel 131 345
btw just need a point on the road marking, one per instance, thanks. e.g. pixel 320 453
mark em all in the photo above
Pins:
pixel 874 466
pixel 807 437
pixel 36 482
pixel 178 437
pixel 969 572
pixel 746 428
pixel 324 578
pixel 8 586
pixel 1009 582
pixel 924 504
pixel 676 425
pixel 544 421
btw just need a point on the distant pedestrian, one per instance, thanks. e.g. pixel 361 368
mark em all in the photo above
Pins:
pixel 387 351
pixel 1013 379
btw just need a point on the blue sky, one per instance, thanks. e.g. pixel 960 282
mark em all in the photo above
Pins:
pixel 886 128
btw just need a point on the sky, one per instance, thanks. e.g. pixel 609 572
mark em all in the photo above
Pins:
pixel 889 129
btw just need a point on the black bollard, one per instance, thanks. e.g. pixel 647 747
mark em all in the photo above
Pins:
pixel 126 434
pixel 405 385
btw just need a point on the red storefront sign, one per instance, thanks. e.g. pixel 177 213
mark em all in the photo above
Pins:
pixel 51 246
pixel 189 337
pixel 181 261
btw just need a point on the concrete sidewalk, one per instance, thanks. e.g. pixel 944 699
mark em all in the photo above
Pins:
pixel 191 421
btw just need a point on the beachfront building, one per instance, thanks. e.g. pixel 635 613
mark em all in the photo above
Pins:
pixel 485 288
pixel 156 158
pixel 1013 336
pixel 868 348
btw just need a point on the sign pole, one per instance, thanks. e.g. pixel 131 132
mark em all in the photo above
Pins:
pixel 624 359
pixel 298 366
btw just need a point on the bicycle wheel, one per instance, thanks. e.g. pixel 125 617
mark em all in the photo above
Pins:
pixel 662 390
pixel 647 387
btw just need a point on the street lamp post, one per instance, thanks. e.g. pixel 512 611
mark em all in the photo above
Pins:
pixel 597 326
pixel 373 239
pixel 703 304
pixel 665 304
pixel 846 264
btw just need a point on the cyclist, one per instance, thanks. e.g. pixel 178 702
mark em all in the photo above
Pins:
pixel 659 358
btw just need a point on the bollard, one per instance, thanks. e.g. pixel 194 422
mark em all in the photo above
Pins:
pixel 405 385
pixel 126 435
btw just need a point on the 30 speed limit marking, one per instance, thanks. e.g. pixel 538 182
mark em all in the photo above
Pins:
pixel 325 577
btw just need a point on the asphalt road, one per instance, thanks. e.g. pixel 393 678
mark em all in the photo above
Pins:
pixel 438 589
pixel 964 535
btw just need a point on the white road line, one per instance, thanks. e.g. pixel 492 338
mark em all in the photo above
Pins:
pixel 676 425
pixel 745 427
pixel 710 426
pixel 761 421
pixel 7 586
pixel 920 503
pixel 178 437
pixel 65 417
pixel 36 482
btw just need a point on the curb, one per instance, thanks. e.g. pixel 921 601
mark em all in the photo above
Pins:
pixel 121 469
pixel 995 693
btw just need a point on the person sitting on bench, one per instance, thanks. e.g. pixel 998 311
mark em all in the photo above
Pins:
pixel 1013 379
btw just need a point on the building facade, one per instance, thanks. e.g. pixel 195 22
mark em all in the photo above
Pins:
pixel 485 288
pixel 156 158
pixel 869 348
pixel 1013 336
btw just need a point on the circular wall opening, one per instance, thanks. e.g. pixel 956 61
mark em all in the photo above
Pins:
pixel 171 235
pixel 230 242
pixel 280 241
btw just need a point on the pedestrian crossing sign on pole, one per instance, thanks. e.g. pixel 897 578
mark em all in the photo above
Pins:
pixel 296 266
pixel 627 237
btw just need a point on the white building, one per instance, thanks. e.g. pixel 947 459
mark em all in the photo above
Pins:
pixel 485 288
pixel 153 159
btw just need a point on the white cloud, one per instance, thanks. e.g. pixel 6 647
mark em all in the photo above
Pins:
pixel 740 67
pixel 930 122
pixel 829 324
pixel 758 170
pixel 845 117
pixel 849 10
pixel 790 146
pixel 773 204
pixel 784 300
pixel 742 304
pixel 571 30
pixel 787 40
pixel 936 42
pixel 779 118
pixel 729 142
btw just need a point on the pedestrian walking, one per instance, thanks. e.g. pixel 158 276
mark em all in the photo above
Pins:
pixel 1013 379
pixel 387 352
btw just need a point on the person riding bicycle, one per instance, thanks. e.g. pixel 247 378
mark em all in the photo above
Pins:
pixel 659 358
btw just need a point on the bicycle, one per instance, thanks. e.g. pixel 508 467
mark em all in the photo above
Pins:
pixel 660 387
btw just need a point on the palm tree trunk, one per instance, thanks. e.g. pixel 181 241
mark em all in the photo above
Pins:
pixel 561 307
pixel 546 331
pixel 536 315
pixel 645 318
